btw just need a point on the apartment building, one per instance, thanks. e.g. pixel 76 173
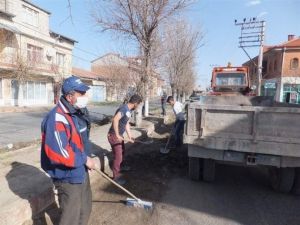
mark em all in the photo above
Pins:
pixel 33 59
pixel 281 71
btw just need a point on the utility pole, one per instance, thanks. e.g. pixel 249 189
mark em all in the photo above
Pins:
pixel 253 35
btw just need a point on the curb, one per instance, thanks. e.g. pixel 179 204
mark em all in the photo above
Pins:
pixel 12 109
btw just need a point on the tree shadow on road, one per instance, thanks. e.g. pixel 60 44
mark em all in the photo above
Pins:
pixel 31 184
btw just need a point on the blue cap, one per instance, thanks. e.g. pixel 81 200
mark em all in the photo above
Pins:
pixel 73 84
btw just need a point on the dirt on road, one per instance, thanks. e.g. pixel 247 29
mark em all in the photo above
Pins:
pixel 148 179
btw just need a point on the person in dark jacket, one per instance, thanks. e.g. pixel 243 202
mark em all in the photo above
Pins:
pixel 163 101
pixel 65 152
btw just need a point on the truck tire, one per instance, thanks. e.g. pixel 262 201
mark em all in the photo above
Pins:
pixel 282 179
pixel 209 169
pixel 296 186
pixel 194 168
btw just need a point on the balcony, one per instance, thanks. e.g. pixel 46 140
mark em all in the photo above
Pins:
pixel 6 9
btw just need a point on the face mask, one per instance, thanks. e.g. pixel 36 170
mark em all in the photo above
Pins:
pixel 81 102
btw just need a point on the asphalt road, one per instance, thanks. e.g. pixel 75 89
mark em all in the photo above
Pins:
pixel 24 127
pixel 21 128
pixel 239 196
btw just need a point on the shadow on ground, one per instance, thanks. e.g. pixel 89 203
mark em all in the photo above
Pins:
pixel 27 182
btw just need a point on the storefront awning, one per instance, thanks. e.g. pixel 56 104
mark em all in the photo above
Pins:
pixel 10 28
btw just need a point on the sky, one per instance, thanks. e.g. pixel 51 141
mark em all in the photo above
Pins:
pixel 214 18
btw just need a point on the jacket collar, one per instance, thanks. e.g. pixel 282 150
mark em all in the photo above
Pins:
pixel 66 106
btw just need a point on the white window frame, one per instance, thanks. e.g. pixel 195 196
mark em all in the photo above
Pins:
pixel 34 54
pixel 43 96
pixel 294 61
pixel 30 16
pixel 60 59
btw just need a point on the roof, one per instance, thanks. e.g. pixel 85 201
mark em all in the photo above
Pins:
pixel 86 74
pixel 110 53
pixel 63 37
pixel 36 6
pixel 294 43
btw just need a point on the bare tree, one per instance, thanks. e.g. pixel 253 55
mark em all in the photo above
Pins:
pixel 138 20
pixel 181 43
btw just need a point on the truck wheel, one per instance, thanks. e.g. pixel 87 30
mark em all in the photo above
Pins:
pixel 282 179
pixel 209 168
pixel 194 168
pixel 296 186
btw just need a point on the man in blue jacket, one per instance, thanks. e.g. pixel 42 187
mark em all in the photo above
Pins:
pixel 65 152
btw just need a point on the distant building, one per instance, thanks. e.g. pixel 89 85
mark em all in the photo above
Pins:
pixel 123 74
pixel 33 59
pixel 281 71
pixel 97 83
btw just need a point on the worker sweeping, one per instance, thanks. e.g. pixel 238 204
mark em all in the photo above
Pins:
pixel 65 152
pixel 120 125
pixel 180 120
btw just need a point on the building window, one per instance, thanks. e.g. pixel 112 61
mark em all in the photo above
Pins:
pixel 264 66
pixel 275 65
pixel 294 63
pixel 0 88
pixel 270 66
pixel 34 91
pixel 269 89
pixel 291 93
pixel 60 59
pixel 34 54
pixel 3 5
pixel 30 16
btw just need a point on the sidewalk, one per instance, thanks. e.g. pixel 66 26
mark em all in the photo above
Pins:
pixel 25 190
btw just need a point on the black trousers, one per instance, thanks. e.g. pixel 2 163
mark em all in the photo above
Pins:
pixel 75 202
pixel 163 107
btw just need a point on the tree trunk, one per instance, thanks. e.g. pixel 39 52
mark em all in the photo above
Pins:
pixel 138 116
pixel 184 97
pixel 174 94
pixel 148 74
pixel 20 94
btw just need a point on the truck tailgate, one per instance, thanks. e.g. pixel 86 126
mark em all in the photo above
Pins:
pixel 257 129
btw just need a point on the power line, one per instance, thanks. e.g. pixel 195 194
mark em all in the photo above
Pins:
pixel 90 53
pixel 253 35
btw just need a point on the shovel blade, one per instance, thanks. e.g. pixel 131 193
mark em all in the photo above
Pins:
pixel 164 150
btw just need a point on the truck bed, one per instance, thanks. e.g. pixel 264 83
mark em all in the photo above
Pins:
pixel 244 124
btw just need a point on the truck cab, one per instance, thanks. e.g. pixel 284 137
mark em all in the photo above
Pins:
pixel 230 81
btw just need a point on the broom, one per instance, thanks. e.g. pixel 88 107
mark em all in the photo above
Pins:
pixel 134 201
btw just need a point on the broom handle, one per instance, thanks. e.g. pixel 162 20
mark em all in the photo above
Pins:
pixel 116 184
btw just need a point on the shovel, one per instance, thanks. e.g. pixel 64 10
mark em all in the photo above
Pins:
pixel 166 150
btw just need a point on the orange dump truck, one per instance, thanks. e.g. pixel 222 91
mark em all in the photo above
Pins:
pixel 230 81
